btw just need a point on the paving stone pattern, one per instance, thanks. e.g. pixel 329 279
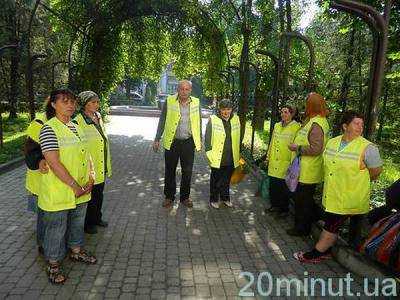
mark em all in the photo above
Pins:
pixel 148 252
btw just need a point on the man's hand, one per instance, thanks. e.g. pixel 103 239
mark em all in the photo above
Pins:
pixel 156 146
pixel 43 167
pixel 293 147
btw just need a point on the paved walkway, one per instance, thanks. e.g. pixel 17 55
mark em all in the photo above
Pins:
pixel 148 252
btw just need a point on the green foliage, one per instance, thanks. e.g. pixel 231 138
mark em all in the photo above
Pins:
pixel 261 139
pixel 391 172
pixel 14 137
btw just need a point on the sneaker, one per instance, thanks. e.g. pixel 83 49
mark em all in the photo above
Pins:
pixel 214 205
pixel 228 203
pixel 167 203
pixel 187 202
pixel 300 257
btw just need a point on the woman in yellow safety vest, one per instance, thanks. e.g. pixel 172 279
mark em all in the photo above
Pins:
pixel 32 182
pixel 89 119
pixel 309 143
pixel 222 145
pixel 278 160
pixel 66 187
pixel 350 163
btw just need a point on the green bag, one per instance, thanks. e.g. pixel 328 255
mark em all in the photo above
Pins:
pixel 263 187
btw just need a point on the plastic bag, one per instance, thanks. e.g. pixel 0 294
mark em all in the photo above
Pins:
pixel 293 174
pixel 239 173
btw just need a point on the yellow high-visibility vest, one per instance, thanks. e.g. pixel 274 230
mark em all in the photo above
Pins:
pixel 346 187
pixel 279 155
pixel 218 137
pixel 95 143
pixel 311 167
pixel 32 182
pixel 55 195
pixel 173 117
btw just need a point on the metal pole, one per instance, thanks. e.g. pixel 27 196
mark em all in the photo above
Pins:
pixel 310 85
pixel 379 29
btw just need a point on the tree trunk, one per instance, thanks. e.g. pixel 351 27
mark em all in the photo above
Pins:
pixel 244 68
pixel 344 91
pixel 281 11
pixel 1 126
pixel 279 72
pixel 383 112
pixel 360 78
pixel 29 71
pixel 127 88
pixel 286 52
pixel 14 65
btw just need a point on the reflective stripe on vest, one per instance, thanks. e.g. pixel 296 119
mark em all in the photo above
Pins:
pixel 32 181
pixel 279 155
pixel 346 187
pixel 218 137
pixel 311 167
pixel 54 194
pixel 173 117
pixel 95 144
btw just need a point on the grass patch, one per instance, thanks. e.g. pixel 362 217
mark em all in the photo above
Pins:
pixel 14 136
pixel 390 173
pixel 261 138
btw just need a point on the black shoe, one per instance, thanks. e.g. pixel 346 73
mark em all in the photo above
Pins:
pixel 102 224
pixel 295 232
pixel 91 229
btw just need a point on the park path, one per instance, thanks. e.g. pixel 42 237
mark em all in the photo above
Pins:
pixel 149 252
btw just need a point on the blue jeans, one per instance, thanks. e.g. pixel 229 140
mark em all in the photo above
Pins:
pixel 33 207
pixel 62 230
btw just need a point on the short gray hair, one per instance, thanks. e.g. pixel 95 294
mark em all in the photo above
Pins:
pixel 182 82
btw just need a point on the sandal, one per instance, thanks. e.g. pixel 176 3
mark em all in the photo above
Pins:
pixel 55 273
pixel 83 256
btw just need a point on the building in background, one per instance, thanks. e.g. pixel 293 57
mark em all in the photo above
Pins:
pixel 167 85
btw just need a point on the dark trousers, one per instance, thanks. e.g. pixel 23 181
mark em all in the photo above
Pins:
pixel 93 211
pixel 306 211
pixel 279 193
pixel 220 182
pixel 183 151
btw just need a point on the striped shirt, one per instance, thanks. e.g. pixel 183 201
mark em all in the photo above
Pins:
pixel 48 139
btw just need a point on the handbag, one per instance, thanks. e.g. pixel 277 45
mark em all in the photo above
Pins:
pixel 293 174
pixel 33 154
